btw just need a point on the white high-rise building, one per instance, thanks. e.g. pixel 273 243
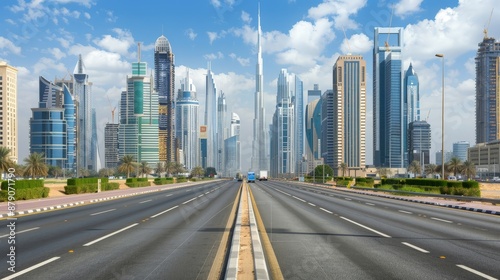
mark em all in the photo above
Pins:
pixel 283 130
pixel 211 119
pixel 232 148
pixel 222 131
pixel 259 147
pixel 187 126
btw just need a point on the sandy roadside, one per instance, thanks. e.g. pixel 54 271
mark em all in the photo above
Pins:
pixel 57 189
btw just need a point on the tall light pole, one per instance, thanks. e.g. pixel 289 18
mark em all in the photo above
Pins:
pixel 442 114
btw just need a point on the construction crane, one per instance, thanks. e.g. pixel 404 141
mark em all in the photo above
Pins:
pixel 347 41
pixel 112 111
pixel 427 118
pixel 485 31
pixel 387 47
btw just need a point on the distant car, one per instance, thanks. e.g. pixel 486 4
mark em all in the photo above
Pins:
pixel 452 178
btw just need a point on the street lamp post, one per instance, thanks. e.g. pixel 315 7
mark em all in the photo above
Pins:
pixel 442 114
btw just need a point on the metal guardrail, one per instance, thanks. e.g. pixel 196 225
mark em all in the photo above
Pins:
pixel 445 196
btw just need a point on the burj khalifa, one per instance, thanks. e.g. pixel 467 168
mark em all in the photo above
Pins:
pixel 259 149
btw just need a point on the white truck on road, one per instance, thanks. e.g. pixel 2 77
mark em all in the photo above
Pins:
pixel 263 175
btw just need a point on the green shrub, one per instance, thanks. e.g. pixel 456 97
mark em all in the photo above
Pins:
pixel 392 181
pixel 385 187
pixel 110 186
pixel 425 182
pixel 454 184
pixel 142 179
pixel 364 182
pixel 340 178
pixel 181 180
pixel 26 193
pixel 138 184
pixel 131 180
pixel 85 181
pixel 87 188
pixel 162 181
pixel 22 184
pixel 343 182
pixel 470 184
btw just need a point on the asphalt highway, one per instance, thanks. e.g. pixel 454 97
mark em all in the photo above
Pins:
pixel 171 234
pixel 318 233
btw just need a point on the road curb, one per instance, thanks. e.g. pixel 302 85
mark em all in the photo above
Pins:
pixel 258 252
pixel 232 263
pixel 80 203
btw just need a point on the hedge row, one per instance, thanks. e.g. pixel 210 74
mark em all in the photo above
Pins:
pixel 336 179
pixel 364 182
pixel 452 189
pixel 137 182
pixel 85 181
pixel 163 181
pixel 429 182
pixel 90 188
pixel 26 193
pixel 181 180
pixel 22 184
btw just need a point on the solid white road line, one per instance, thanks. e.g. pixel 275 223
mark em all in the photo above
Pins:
pixel 371 204
pixel 98 213
pixel 476 272
pixel 200 195
pixel 298 198
pixel 346 198
pixel 12 276
pixel 441 220
pixel 311 204
pixel 365 227
pixel 168 194
pixel 156 215
pixel 109 235
pixel 406 212
pixel 145 201
pixel 326 210
pixel 189 200
pixel 17 232
pixel 415 247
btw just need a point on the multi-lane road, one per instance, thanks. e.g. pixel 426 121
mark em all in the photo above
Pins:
pixel 315 233
pixel 162 235
pixel 325 234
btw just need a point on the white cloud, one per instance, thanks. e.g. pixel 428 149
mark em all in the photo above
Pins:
pixel 245 17
pixel 86 15
pixel 242 61
pixel 406 7
pixel 341 10
pixel 191 34
pixel 9 46
pixel 111 17
pixel 86 3
pixel 10 21
pixel 440 35
pixel 214 56
pixel 57 53
pixel 119 44
pixel 44 64
pixel 215 3
pixel 357 44
pixel 212 36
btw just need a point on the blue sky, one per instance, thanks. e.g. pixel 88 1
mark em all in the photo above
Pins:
pixel 45 37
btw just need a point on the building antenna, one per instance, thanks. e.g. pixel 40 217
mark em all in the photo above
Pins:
pixel 139 51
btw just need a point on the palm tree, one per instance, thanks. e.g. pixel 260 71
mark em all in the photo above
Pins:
pixel 144 168
pixel 385 172
pixel 169 168
pixel 197 171
pixel 178 168
pixel 35 165
pixel 160 168
pixel 5 161
pixel 414 167
pixel 127 164
pixel 84 172
pixel 430 169
pixel 469 169
pixel 455 164
pixel 343 166
pixel 55 171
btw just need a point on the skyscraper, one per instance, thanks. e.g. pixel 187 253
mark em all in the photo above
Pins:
pixel 328 126
pixel 460 150
pixel 187 126
pixel 298 103
pixel 282 161
pixel 52 125
pixel 259 149
pixel 111 158
pixel 313 129
pixel 211 119
pixel 488 91
pixel 138 131
pixel 165 87
pixel 232 147
pixel 389 125
pixel 419 142
pixel 411 95
pixel 82 93
pixel 349 114
pixel 222 131
pixel 8 109
pixel 94 145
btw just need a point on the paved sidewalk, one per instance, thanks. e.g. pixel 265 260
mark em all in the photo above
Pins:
pixel 44 204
